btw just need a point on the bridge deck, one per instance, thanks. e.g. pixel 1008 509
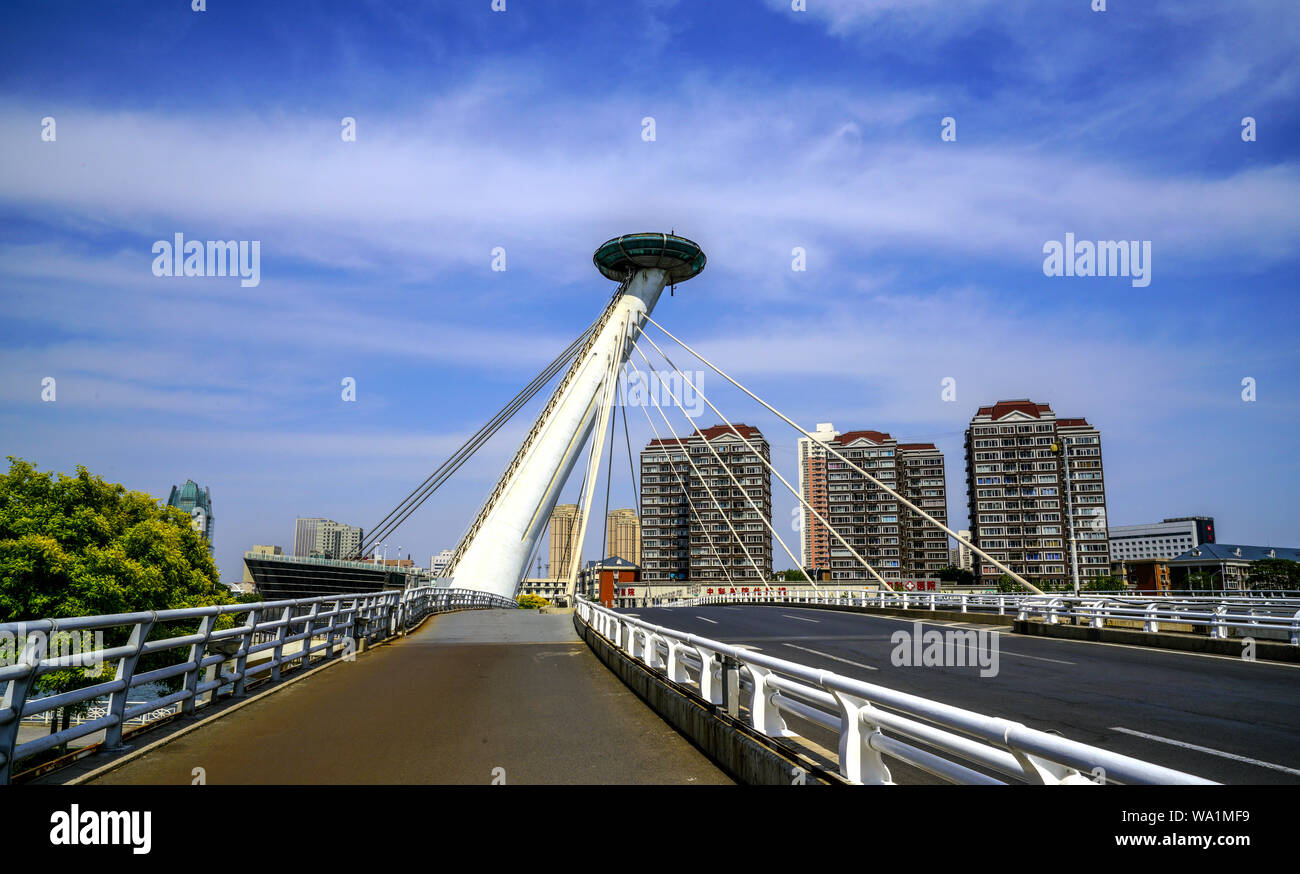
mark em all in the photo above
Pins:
pixel 464 695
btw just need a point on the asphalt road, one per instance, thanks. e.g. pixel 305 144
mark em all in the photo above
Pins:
pixel 466 695
pixel 1094 693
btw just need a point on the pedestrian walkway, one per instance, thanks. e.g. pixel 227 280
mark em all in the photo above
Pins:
pixel 470 698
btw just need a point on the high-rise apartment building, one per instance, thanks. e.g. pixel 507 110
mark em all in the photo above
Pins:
pixel 815 540
pixel 623 536
pixel 563 518
pixel 325 538
pixel 685 535
pixel 964 558
pixel 197 502
pixel 1017 493
pixel 894 540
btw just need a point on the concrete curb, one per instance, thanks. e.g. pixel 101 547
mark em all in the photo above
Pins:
pixel 1266 650
pixel 745 755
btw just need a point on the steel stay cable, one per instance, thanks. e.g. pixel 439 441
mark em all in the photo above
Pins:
pixel 770 466
pixel 1015 576
pixel 467 449
pixel 717 505
pixel 735 482
pixel 689 503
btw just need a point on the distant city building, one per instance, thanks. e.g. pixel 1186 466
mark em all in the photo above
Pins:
pixel 304 536
pixel 279 577
pixel 894 540
pixel 674 545
pixel 543 587
pixel 612 582
pixel 563 518
pixel 623 535
pixel 258 549
pixel 438 563
pixel 815 540
pixel 1227 563
pixel 962 557
pixel 1166 539
pixel 324 538
pixel 1146 575
pixel 197 502
pixel 1016 491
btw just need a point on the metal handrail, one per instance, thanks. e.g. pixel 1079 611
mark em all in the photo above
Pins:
pixel 1220 614
pixel 327 626
pixel 969 745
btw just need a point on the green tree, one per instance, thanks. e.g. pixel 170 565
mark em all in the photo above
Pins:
pixel 960 576
pixel 791 576
pixel 1273 573
pixel 1103 584
pixel 78 546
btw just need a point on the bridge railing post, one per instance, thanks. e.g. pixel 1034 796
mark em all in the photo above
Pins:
pixel 197 652
pixel 241 657
pixel 35 647
pixel 709 674
pixel 125 671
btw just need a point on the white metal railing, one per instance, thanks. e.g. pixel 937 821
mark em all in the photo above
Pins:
pixel 873 722
pixel 207 659
pixel 100 709
pixel 1223 616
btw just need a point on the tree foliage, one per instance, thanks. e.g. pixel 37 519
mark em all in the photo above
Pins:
pixel 77 545
pixel 1274 573
pixel 531 602
pixel 960 576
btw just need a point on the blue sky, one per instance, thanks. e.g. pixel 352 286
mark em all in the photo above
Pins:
pixel 523 129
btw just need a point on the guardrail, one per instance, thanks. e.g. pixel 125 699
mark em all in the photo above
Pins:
pixel 1220 615
pixel 872 722
pixel 1220 619
pixel 325 626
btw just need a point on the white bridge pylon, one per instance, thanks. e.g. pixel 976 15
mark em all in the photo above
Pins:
pixel 495 552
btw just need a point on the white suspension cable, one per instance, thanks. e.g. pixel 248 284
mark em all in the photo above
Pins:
pixel 726 468
pixel 716 504
pixel 924 515
pixel 769 465
pixel 690 505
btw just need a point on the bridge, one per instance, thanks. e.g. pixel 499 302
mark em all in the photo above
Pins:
pixel 451 683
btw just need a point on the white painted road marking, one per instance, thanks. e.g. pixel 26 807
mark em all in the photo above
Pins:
pixel 827 655
pixel 800 618
pixel 1200 749
pixel 1021 655
pixel 714 621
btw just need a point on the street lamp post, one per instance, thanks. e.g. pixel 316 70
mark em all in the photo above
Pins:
pixel 1059 449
